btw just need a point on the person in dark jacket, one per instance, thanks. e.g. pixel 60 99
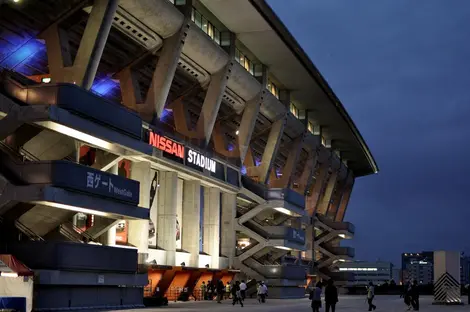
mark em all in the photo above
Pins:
pixel 220 291
pixel 236 294
pixel 331 296
pixel 414 294
pixel 315 296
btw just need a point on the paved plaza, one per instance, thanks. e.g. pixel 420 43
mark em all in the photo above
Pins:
pixel 347 303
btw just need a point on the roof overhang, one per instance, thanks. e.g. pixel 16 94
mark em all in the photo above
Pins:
pixel 263 33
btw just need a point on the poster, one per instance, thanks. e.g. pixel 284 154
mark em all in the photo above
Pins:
pixel 153 209
pixel 179 213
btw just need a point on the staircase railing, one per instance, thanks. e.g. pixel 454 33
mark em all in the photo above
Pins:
pixel 27 231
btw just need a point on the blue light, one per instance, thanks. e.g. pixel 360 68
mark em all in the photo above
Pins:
pixel 257 162
pixel 103 86
pixel 243 170
pixel 230 147
pixel 22 54
pixel 165 114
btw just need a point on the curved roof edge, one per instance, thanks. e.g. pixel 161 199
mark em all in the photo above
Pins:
pixel 278 26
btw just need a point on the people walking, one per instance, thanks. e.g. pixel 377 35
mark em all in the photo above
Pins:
pixel 370 296
pixel 315 296
pixel 414 294
pixel 227 290
pixel 236 294
pixel 406 295
pixel 331 296
pixel 220 291
pixel 262 292
pixel 243 290
pixel 203 291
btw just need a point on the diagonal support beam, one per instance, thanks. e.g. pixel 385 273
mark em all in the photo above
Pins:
pixel 271 149
pixel 330 186
pixel 338 193
pixel 90 50
pixel 248 122
pixel 306 179
pixel 211 105
pixel 345 199
pixel 320 180
pixel 291 164
pixel 165 72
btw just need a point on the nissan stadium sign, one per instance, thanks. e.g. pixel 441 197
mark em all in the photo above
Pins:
pixel 175 150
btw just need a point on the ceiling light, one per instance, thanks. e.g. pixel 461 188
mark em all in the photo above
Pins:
pixel 16 1
pixel 46 80
pixel 237 132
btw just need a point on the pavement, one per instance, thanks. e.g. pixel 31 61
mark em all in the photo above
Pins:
pixel 346 303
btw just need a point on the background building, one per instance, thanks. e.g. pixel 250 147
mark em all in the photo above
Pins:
pixel 418 266
pixel 363 272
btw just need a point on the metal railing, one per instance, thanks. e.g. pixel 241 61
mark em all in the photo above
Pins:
pixel 27 231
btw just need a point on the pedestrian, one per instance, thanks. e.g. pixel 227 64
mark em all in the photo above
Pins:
pixel 315 296
pixel 210 290
pixel 236 294
pixel 331 296
pixel 370 296
pixel 227 290
pixel 220 291
pixel 406 295
pixel 414 293
pixel 243 288
pixel 262 292
pixel 203 291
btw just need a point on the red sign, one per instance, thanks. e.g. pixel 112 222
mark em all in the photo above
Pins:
pixel 166 145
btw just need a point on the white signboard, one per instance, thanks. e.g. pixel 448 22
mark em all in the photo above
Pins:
pixel 200 160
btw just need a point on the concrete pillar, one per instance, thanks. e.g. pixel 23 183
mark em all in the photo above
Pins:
pixel 165 72
pixel 248 122
pixel 291 164
pixel 284 97
pixel 327 195
pixel 320 180
pixel 271 149
pixel 89 51
pixel 167 209
pixel 344 201
pixel 191 220
pixel 341 187
pixel 139 229
pixel 212 101
pixel 111 233
pixel 211 243
pixel 306 178
pixel 309 241
pixel 228 236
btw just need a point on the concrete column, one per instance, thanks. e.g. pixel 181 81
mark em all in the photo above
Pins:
pixel 139 229
pixel 248 122
pixel 284 97
pixel 271 149
pixel 320 180
pixel 291 164
pixel 166 224
pixel 341 187
pixel 89 51
pixel 211 243
pixel 191 220
pixel 111 233
pixel 212 101
pixel 165 72
pixel 327 195
pixel 306 178
pixel 228 236
pixel 309 240
pixel 344 201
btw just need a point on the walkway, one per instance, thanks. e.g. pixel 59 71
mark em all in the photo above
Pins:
pixel 347 303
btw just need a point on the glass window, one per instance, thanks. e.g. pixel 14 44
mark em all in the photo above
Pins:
pixel 198 19
pixel 294 110
pixel 216 36
pixel 204 24
pixel 273 89
pixel 244 61
pixel 310 127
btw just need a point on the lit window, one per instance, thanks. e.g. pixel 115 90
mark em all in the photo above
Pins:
pixel 310 127
pixel 205 25
pixel 294 110
pixel 244 61
pixel 323 141
pixel 273 88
